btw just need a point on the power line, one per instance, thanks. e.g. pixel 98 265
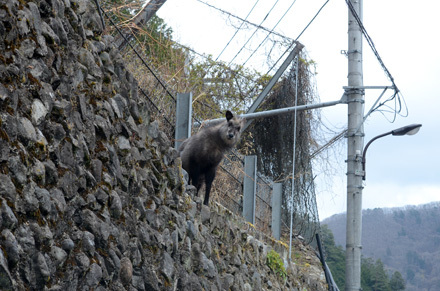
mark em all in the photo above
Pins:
pixel 261 43
pixel 246 21
pixel 329 143
pixel 290 40
pixel 255 31
pixel 397 96
pixel 397 104
pixel 301 33
pixel 242 23
pixel 267 30
pixel 215 61
pixel 370 41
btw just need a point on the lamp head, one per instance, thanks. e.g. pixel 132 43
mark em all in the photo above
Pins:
pixel 407 130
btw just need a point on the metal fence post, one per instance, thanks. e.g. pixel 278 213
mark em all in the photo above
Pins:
pixel 249 188
pixel 276 210
pixel 183 118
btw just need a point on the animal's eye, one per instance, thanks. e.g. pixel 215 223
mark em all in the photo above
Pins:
pixel 238 128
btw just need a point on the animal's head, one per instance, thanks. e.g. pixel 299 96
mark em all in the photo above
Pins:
pixel 232 128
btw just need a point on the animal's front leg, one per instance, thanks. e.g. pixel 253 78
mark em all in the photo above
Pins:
pixel 209 177
pixel 195 179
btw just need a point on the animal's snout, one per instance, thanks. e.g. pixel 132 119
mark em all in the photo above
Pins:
pixel 230 135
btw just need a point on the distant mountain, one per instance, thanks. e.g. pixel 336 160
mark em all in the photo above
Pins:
pixel 406 239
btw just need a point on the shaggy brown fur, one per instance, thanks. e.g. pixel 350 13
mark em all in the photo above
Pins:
pixel 203 152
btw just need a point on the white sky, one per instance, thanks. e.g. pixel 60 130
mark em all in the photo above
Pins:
pixel 400 170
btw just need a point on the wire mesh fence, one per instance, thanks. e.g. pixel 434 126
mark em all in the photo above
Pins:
pixel 228 186
pixel 263 204
pixel 302 204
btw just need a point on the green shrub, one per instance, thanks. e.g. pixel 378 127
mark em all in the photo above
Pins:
pixel 275 263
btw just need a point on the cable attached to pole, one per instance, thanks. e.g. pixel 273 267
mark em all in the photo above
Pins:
pixel 294 160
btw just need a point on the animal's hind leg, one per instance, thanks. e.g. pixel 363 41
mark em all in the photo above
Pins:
pixel 194 178
pixel 209 177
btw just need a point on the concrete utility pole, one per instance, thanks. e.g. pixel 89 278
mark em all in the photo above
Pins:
pixel 355 135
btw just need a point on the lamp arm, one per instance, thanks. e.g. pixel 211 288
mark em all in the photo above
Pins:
pixel 364 153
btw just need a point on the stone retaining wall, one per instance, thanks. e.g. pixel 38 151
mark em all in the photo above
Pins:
pixel 91 193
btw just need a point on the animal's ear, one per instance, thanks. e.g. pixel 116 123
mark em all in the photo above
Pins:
pixel 229 115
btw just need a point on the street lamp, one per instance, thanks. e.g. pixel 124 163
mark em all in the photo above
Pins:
pixel 406 130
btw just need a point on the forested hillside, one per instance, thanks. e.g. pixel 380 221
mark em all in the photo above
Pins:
pixel 374 276
pixel 405 239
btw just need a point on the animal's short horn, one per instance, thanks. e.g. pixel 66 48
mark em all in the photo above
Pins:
pixel 229 115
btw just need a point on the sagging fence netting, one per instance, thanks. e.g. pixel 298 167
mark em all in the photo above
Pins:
pixel 164 68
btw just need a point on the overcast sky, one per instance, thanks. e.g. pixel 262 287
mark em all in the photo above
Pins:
pixel 400 170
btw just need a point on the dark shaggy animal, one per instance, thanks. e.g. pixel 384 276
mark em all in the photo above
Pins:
pixel 203 152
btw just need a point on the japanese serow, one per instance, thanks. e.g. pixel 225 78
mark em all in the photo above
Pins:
pixel 203 152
